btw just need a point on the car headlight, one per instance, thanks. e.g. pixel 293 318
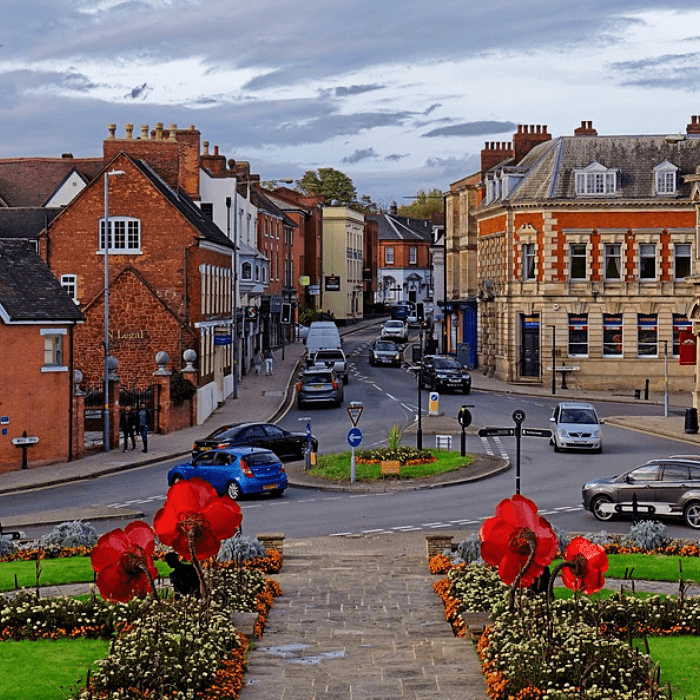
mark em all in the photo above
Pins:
pixel 562 433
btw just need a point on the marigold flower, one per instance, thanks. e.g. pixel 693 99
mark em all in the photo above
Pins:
pixel 123 562
pixel 508 539
pixel 194 505
pixel 587 562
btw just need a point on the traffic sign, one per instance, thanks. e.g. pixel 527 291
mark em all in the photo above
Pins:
pixel 464 417
pixel 537 432
pixel 25 440
pixel 354 437
pixel 487 432
pixel 355 411
pixel 518 415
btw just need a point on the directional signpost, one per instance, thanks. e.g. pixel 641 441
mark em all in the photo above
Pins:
pixel 465 420
pixel 518 431
pixel 23 443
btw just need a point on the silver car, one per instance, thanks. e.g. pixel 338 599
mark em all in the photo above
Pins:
pixel 319 386
pixel 395 329
pixel 668 486
pixel 576 426
pixel 384 352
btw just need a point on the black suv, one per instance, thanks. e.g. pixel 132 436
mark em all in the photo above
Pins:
pixel 444 372
pixel 667 486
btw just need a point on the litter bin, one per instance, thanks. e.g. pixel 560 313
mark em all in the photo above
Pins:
pixel 691 421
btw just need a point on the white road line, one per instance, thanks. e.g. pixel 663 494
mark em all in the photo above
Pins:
pixel 340 534
pixel 393 398
pixel 368 532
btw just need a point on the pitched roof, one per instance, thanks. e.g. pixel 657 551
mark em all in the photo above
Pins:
pixel 402 228
pixel 25 222
pixel 548 170
pixel 271 205
pixel 28 290
pixel 29 182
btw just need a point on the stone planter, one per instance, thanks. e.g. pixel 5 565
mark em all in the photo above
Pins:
pixel 244 622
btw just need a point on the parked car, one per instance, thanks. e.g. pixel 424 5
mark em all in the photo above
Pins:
pixel 444 372
pixel 668 486
pixel 286 445
pixel 318 385
pixel 384 352
pixel 332 359
pixel 576 426
pixel 235 471
pixel 395 329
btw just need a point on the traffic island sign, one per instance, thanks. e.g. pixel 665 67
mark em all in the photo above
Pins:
pixel 488 432
pixel 355 411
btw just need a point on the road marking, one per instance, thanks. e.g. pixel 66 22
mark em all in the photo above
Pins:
pixel 393 398
pixel 340 534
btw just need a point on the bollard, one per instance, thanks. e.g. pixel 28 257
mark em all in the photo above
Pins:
pixel 646 390
pixel 691 421
pixel 637 393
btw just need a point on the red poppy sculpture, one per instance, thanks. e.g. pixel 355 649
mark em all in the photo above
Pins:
pixel 584 566
pixel 194 514
pixel 518 541
pixel 123 562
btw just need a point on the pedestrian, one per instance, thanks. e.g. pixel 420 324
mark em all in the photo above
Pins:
pixel 257 360
pixel 132 422
pixel 268 362
pixel 144 416
pixel 126 428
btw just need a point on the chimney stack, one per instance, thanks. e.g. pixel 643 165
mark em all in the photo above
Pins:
pixel 527 138
pixel 586 129
pixel 694 126
pixel 495 152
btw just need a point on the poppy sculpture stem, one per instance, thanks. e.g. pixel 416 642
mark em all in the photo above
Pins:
pixel 203 590
pixel 531 542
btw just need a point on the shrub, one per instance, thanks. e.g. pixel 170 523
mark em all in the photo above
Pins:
pixel 7 547
pixel 469 550
pixel 563 537
pixel 602 538
pixel 241 548
pixel 394 438
pixel 648 534
pixel 69 534
pixel 181 389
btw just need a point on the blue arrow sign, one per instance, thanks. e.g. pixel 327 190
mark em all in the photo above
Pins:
pixel 354 437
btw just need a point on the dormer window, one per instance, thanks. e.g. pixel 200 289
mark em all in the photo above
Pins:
pixel 595 180
pixel 665 178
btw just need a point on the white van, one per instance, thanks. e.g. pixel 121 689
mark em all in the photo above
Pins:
pixel 322 335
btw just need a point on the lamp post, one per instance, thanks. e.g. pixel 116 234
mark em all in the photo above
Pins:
pixel 554 358
pixel 106 242
pixel 419 432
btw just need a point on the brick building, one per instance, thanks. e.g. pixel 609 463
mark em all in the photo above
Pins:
pixel 38 322
pixel 587 245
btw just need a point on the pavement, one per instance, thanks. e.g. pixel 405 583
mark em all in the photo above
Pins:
pixel 358 617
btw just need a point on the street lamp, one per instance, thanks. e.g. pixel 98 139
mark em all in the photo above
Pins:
pixel 106 243
pixel 419 432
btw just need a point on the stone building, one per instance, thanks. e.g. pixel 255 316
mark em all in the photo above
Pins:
pixel 586 249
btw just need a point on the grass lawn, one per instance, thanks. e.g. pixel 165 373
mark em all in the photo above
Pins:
pixel 336 467
pixel 645 567
pixel 53 572
pixel 679 658
pixel 48 668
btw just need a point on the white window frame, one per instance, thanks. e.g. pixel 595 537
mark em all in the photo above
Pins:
pixel 529 262
pixel 608 256
pixel 577 338
pixel 644 254
pixel 70 284
pixel 413 255
pixel 389 255
pixel 595 180
pixel 677 256
pixel 647 343
pixel 246 270
pixel 124 235
pixel 573 257
pixel 53 349
pixel 665 179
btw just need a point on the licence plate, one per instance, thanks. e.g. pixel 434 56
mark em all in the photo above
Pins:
pixel 204 449
pixel 316 387
pixel 454 381
pixel 269 487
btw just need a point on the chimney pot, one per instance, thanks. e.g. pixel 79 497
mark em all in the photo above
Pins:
pixel 67 156
pixel 159 131
pixel 216 150
pixel 129 128
pixel 144 132
pixel 205 145
pixel 112 128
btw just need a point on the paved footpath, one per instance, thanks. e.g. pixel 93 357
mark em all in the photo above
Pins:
pixel 359 619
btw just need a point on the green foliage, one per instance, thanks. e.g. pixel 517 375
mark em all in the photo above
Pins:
pixel 648 534
pixel 181 389
pixel 241 548
pixel 394 438
pixel 329 183
pixel 425 206
pixel 69 534
pixel 7 547
pixel 307 316
pixel 469 550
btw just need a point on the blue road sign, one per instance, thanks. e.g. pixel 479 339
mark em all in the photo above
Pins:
pixel 354 437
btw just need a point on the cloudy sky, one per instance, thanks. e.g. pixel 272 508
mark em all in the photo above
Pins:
pixel 399 95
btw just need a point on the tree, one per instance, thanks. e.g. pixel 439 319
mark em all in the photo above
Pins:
pixel 425 206
pixel 329 183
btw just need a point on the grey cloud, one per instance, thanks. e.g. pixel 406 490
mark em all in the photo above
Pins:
pixel 356 89
pixel 396 156
pixel 432 108
pixel 360 154
pixel 480 128
pixel 671 71
pixel 140 91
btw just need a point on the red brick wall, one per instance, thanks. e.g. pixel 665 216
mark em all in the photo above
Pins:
pixel 35 401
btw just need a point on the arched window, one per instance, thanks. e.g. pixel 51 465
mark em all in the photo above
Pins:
pixel 247 271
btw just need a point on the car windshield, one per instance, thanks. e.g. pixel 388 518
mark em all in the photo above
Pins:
pixel 386 346
pixel 318 378
pixel 578 415
pixel 447 363
pixel 393 324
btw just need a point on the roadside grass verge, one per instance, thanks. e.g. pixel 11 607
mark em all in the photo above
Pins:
pixel 336 467
pixel 651 567
pixel 47 669
pixel 679 659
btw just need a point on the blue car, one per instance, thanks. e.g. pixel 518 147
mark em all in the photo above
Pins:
pixel 235 471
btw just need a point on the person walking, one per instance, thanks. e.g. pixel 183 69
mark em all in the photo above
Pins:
pixel 257 360
pixel 144 415
pixel 132 423
pixel 268 362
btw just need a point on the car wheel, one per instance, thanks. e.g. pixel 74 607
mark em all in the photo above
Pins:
pixel 234 491
pixel 300 403
pixel 466 390
pixel 595 508
pixel 175 479
pixel 276 493
pixel 346 379
pixel 691 515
